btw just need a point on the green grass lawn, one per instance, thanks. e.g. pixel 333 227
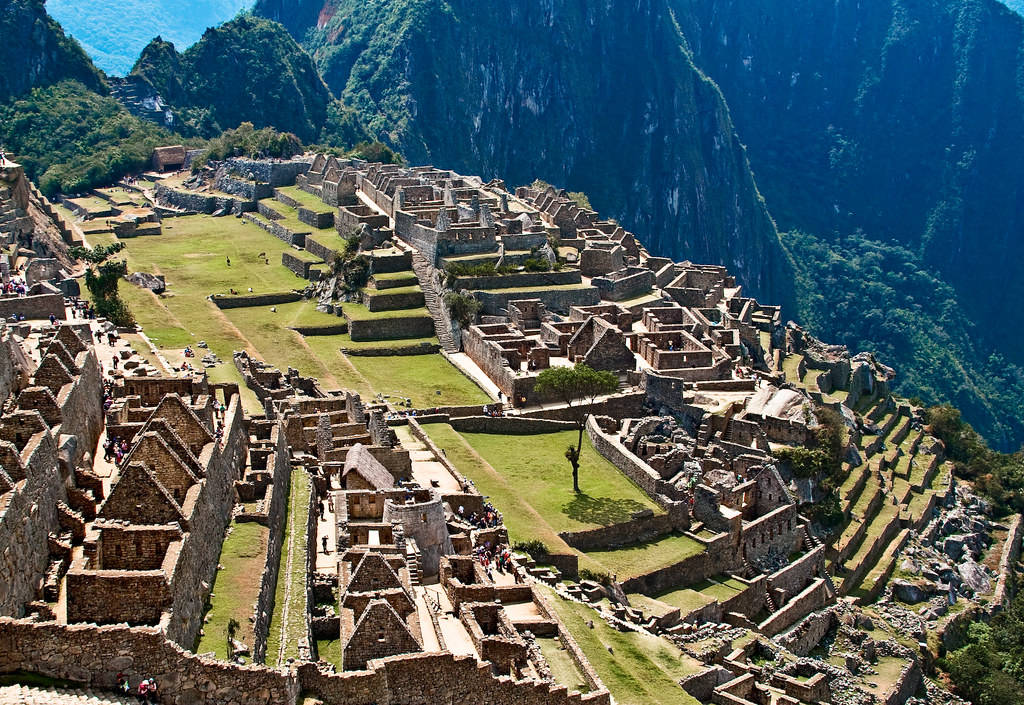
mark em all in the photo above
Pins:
pixel 306 200
pixel 392 276
pixel 536 466
pixel 641 558
pixel 563 669
pixel 329 650
pixel 414 289
pixel 235 588
pixel 420 378
pixel 287 632
pixel 528 479
pixel 192 254
pixel 640 669
pixel 696 596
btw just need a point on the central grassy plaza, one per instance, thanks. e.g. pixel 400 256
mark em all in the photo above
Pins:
pixel 201 256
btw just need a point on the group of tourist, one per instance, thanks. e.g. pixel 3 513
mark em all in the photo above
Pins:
pixel 82 309
pixel 488 518
pixel 115 449
pixel 146 692
pixel 15 286
pixel 499 559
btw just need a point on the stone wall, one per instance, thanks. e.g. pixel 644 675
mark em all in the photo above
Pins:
pixel 642 474
pixel 391 328
pixel 279 231
pixel 39 307
pixel 198 564
pixel 387 301
pixel 224 301
pixel 720 556
pixel 814 596
pixel 518 280
pixel 82 406
pixel 561 300
pixel 1011 552
pixel 246 189
pixel 274 172
pixel 201 203
pixel 26 521
pixel 509 425
pixel 643 528
pixel 275 521
pixel 297 264
pixel 807 633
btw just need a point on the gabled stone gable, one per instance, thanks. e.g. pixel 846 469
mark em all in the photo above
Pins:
pixel 373 574
pixel 379 633
pixel 172 473
pixel 139 498
pixel 70 339
pixel 184 421
pixel 52 373
pixel 168 435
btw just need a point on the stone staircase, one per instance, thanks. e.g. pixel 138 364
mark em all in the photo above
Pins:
pixel 425 273
pixel 35 695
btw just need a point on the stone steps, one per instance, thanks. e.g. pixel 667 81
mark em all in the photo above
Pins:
pixel 424 272
pixel 35 695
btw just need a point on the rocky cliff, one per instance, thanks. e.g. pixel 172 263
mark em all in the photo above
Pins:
pixel 600 97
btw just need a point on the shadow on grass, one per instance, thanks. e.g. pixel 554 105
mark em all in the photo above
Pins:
pixel 601 510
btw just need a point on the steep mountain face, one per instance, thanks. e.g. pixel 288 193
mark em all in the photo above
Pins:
pixel 600 97
pixel 901 118
pixel 248 69
pixel 34 51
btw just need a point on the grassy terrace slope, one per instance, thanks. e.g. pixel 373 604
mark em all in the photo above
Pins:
pixel 234 590
pixel 288 624
pixel 637 669
pixel 192 254
pixel 527 478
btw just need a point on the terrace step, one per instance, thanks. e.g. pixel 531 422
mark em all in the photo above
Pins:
pixel 424 272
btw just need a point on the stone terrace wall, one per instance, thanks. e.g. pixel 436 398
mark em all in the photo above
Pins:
pixel 279 231
pixel 509 425
pixel 275 521
pixel 94 655
pixel 33 307
pixel 642 528
pixel 223 301
pixel 391 328
pixel 642 474
pixel 201 203
pixel 25 524
pixel 1011 552
pixel 521 279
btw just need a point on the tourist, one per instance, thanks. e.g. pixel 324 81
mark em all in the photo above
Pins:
pixel 323 539
pixel 154 697
pixel 143 691
pixel 228 260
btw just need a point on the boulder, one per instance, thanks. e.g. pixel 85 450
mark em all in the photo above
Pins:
pixel 953 547
pixel 975 576
pixel 912 592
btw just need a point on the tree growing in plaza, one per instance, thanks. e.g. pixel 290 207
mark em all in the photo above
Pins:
pixel 102 278
pixel 579 387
